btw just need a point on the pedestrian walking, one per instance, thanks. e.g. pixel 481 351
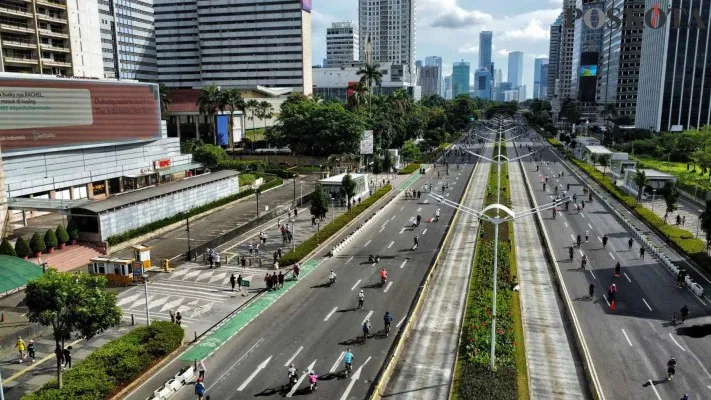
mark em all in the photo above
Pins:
pixel 678 219
pixel 275 281
pixel 276 256
pixel 178 318
pixel 201 370
pixel 20 345
pixel 251 249
pixel 210 258
pixel 361 299
pixel 279 252
pixel 281 279
pixel 31 350
pixel 256 249
pixel 67 353
pixel 683 220
pixel 296 271
pixel 641 252
pixel 172 316
pixel 629 244
pixel 200 389
pixel 268 281
pixel 239 284
pixel 233 281
pixel 313 220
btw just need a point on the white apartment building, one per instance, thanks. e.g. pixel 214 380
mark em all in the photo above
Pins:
pixel 387 31
pixel 565 58
pixel 234 43
pixel 128 39
pixel 53 37
pixel 341 44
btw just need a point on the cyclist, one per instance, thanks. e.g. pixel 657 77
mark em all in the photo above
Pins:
pixel 554 212
pixel 388 319
pixel 583 262
pixel 437 215
pixel 673 321
pixel 292 376
pixel 579 240
pixel 570 253
pixel 417 242
pixel 604 241
pixel 366 329
pixel 671 368
pixel 684 313
pixel 313 378
pixel 629 244
pixel 348 359
pixel 361 299
pixel 591 290
pixel 383 275
pixel 587 236
pixel 332 277
pixel 617 269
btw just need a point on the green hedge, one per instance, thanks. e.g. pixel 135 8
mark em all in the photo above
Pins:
pixel 683 239
pixel 114 365
pixel 409 169
pixel 331 229
pixel 22 249
pixel 153 226
pixel 6 248
pixel 555 143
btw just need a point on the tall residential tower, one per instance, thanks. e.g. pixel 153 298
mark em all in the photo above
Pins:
pixel 342 44
pixel 387 31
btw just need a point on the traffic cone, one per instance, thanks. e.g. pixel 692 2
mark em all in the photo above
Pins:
pixel 612 305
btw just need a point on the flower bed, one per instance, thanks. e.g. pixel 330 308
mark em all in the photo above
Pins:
pixel 114 365
pixel 331 229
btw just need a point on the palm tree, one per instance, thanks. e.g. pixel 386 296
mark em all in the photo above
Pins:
pixel 610 112
pixel 231 99
pixel 208 103
pixel 371 74
pixel 266 111
pixel 400 101
pixel 640 179
pixel 252 107
pixel 164 98
pixel 358 92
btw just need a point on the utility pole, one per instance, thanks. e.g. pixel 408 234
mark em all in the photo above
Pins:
pixel 187 223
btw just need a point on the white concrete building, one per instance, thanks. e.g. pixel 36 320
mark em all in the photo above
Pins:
pixel 387 31
pixel 234 43
pixel 655 180
pixel 332 83
pixel 341 44
pixel 57 37
pixel 128 39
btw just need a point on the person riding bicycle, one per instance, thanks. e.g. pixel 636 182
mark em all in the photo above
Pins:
pixel 584 261
pixel 437 215
pixel 591 289
pixel 671 368
pixel 348 359
pixel 313 378
pixel 332 277
pixel 579 240
pixel 617 269
pixel 612 292
pixel 604 241
pixel 417 240
pixel 419 218
pixel 387 319
pixel 570 253
pixel 383 275
pixel 366 329
pixel 684 313
pixel 629 244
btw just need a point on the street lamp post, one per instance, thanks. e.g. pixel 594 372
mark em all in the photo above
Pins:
pixel 187 229
pixel 258 191
pixel 318 231
pixel 654 196
pixel 301 199
pixel 293 233
pixel 294 191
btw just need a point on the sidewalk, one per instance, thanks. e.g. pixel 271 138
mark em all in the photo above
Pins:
pixel 553 370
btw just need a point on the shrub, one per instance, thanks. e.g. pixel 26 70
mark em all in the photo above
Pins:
pixel 115 364
pixel 50 239
pixel 37 243
pixel 331 229
pixel 409 169
pixel 62 235
pixel 6 248
pixel 479 382
pixel 246 179
pixel 73 230
pixel 21 248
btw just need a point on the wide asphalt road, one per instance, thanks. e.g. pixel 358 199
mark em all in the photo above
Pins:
pixel 630 345
pixel 313 325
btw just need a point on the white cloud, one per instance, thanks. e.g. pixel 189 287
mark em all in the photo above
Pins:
pixel 556 2
pixel 468 49
pixel 533 31
pixel 503 52
pixel 460 18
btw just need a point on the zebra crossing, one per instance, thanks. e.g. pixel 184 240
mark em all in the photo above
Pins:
pixel 193 290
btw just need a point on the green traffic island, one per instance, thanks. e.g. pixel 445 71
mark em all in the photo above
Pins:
pixel 692 247
pixel 474 378
pixel 411 168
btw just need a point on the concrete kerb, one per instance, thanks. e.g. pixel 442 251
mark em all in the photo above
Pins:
pixel 411 318
pixel 671 268
pixel 590 373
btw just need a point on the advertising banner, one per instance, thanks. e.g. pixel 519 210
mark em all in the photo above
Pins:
pixel 366 143
pixel 40 113
pixel 306 5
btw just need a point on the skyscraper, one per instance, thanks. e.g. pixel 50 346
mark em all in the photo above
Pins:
pixel 537 68
pixel 515 75
pixel 485 44
pixel 448 87
pixel 429 80
pixel 388 28
pixel 436 61
pixel 587 45
pixel 482 83
pixel 128 40
pixel 565 59
pixel 229 43
pixel 674 93
pixel 342 44
pixel 554 57
pixel 460 78
pixel 543 89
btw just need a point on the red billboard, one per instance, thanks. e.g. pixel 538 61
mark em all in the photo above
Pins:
pixel 42 113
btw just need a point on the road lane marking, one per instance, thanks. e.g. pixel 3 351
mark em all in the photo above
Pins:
pixel 354 378
pixel 628 278
pixel 356 285
pixel 566 225
pixel 286 364
pixel 571 235
pixel 400 323
pixel 419 209
pixel 598 238
pixel 593 275
pixel 391 244
pixel 388 287
pixel 402 230
pixel 335 365
pixel 647 304
pixel 402 208
pixel 582 215
pixel 590 226
pixel 403 264
pixel 367 317
pixel 423 232
pixel 581 252
pixel 381 228
pixel 606 301
pixel 254 374
pixel 627 337
pixel 349 260
pixel 296 386
pixel 676 343
pixel 655 390
pixel 392 218
pixel 610 253
pixel 329 314
pixel 367 243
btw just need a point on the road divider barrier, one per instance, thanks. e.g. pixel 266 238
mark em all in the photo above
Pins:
pixel 343 243
pixel 174 384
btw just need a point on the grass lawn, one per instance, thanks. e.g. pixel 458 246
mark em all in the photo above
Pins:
pixel 679 170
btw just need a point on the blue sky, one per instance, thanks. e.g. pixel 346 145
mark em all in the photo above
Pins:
pixel 450 29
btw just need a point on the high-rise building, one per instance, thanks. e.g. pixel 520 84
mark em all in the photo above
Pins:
pixel 128 39
pixel 57 37
pixel 587 46
pixel 342 45
pixel 543 88
pixel 429 80
pixel 485 45
pixel 232 43
pixel 674 93
pixel 554 57
pixel 460 78
pixel 537 68
pixel 436 61
pixel 620 58
pixel 482 83
pixel 448 87
pixel 499 77
pixel 515 75
pixel 565 58
pixel 387 31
